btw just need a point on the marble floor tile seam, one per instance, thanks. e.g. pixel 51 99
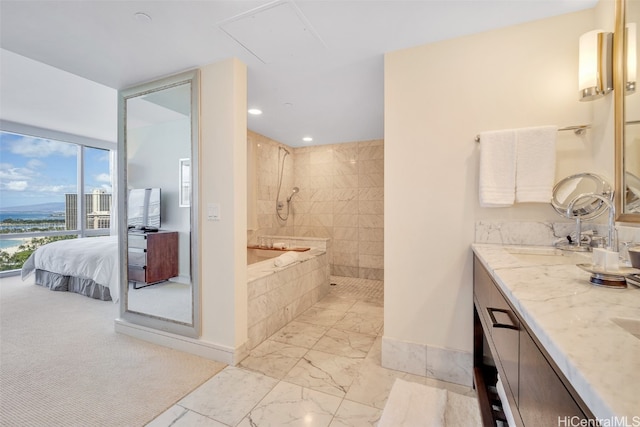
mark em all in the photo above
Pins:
pixel 355 366
pixel 261 403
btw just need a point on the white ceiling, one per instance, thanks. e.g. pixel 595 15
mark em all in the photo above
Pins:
pixel 315 67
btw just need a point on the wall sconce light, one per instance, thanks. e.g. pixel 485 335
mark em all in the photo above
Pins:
pixel 595 78
pixel 632 61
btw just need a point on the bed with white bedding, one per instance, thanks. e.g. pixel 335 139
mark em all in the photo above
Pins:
pixel 88 266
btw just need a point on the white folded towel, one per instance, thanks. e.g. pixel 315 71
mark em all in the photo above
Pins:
pixel 535 163
pixel 497 168
pixel 286 259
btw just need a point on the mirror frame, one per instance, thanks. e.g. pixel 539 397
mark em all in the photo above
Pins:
pixel 619 72
pixel 190 330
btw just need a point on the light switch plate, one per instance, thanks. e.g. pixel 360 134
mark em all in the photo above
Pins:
pixel 213 211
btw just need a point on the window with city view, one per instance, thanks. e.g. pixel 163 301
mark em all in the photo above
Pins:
pixel 43 194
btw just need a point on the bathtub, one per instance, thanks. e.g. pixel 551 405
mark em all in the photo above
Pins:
pixel 276 295
pixel 255 255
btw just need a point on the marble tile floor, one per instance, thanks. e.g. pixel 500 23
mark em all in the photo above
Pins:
pixel 322 369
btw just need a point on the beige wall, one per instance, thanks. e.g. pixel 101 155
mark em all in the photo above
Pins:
pixel 223 180
pixel 438 97
pixel 341 197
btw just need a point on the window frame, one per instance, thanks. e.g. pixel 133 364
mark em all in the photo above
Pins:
pixel 81 142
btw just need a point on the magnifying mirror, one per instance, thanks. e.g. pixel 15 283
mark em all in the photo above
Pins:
pixel 586 208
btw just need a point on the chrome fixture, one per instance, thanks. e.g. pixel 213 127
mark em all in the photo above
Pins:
pixel 279 204
pixel 294 191
pixel 577 129
pixel 565 202
pixel 612 241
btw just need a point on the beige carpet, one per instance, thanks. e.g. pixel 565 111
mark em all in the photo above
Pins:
pixel 62 363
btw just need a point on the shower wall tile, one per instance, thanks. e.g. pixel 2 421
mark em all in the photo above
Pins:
pixel 371 193
pixel 371 273
pixel 371 221
pixel 371 235
pixel 371 207
pixel 346 220
pixel 322 156
pixel 341 197
pixel 371 261
pixel 371 167
pixel 345 168
pixel 355 173
pixel 349 234
pixel 345 181
pixel 323 207
pixel 345 246
pixel 344 194
pixel 345 152
pixel 366 181
pixel 371 152
pixel 268 164
pixel 371 248
pixel 345 271
pixel 346 207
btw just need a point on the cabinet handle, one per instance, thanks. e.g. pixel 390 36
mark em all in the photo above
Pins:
pixel 497 324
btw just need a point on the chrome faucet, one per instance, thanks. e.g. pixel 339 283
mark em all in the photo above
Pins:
pixel 612 241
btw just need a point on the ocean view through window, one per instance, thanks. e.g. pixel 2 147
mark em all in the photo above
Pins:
pixel 50 190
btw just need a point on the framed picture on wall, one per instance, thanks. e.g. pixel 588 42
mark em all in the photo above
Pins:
pixel 185 183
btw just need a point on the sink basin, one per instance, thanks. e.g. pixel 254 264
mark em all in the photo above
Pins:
pixel 547 256
pixel 630 325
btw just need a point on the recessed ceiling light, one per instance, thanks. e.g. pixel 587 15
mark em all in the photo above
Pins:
pixel 142 17
pixel 307 139
pixel 254 111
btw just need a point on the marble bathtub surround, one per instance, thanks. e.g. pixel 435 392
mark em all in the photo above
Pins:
pixel 341 197
pixel 572 319
pixel 276 295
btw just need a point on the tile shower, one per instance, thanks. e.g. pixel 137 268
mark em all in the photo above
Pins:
pixel 341 197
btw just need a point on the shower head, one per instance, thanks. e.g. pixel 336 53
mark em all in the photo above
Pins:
pixel 294 191
pixel 284 149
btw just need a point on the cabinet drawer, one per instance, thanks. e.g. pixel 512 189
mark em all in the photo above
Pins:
pixel 503 327
pixel 137 258
pixel 138 241
pixel 544 400
pixel 483 290
pixel 137 274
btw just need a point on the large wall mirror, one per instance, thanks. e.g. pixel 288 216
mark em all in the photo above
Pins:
pixel 627 111
pixel 158 137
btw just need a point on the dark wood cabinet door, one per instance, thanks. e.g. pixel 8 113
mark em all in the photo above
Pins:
pixel 543 396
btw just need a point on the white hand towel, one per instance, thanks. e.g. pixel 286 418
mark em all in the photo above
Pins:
pixel 497 168
pixel 286 259
pixel 511 422
pixel 535 163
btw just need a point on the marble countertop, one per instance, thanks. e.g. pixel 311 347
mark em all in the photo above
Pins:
pixel 573 320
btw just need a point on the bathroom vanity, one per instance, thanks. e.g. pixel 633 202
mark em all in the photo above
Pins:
pixel 565 350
